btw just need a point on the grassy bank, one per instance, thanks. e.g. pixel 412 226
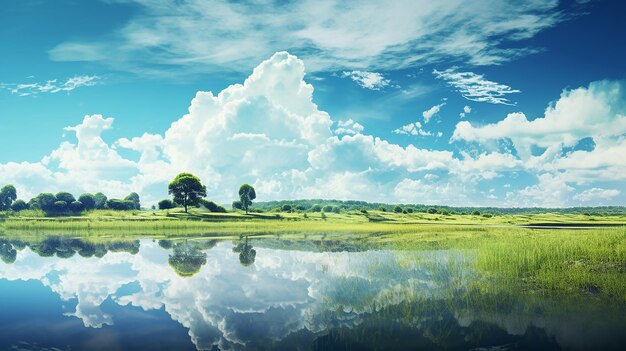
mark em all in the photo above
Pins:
pixel 197 221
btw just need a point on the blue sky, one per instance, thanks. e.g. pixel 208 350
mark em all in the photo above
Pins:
pixel 457 102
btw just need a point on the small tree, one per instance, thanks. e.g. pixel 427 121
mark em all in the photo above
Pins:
pixel 246 195
pixel 88 201
pixel 8 194
pixel 187 190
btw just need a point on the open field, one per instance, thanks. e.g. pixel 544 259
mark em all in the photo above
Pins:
pixel 198 221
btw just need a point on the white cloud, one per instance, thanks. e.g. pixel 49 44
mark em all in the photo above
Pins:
pixel 368 80
pixel 475 87
pixel 269 132
pixel 51 86
pixel 412 129
pixel 348 127
pixel 596 194
pixel 428 114
pixel 466 110
pixel 597 112
pixel 550 191
pixel 328 35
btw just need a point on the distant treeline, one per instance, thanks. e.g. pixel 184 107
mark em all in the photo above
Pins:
pixel 317 205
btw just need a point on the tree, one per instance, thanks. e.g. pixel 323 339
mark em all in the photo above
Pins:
pixel 327 208
pixel 101 201
pixel 166 204
pixel 246 195
pixel 8 194
pixel 186 189
pixel 65 197
pixel 316 208
pixel 397 209
pixel 134 197
pixel 236 205
pixel 19 205
pixel 88 201
pixel 44 202
pixel 77 207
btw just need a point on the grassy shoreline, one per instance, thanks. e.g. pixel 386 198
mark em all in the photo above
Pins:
pixel 198 221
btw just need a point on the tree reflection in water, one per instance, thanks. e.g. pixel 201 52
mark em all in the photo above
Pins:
pixel 247 254
pixel 187 257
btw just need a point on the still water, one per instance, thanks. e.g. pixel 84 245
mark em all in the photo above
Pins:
pixel 59 293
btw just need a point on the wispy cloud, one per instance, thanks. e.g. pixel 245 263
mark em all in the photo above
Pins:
pixel 466 111
pixel 475 87
pixel 367 80
pixel 51 86
pixel 412 129
pixel 328 35
pixel 428 114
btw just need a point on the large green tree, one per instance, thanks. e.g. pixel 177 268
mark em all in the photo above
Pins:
pixel 246 195
pixel 8 194
pixel 187 190
pixel 101 200
pixel 134 197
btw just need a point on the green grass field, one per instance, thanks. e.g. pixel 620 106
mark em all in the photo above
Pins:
pixel 198 221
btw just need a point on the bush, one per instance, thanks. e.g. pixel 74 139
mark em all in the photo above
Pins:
pixel 60 206
pixel 237 205
pixel 382 208
pixel 211 206
pixel 364 211
pixel 286 208
pixel 323 215
pixel 336 209
pixel 476 213
pixel 65 197
pixel 432 210
pixel 327 208
pixel 120 205
pixel 316 208
pixel 88 201
pixel 397 209
pixel 77 206
pixel 410 210
pixel 166 204
pixel 19 205
pixel 405 212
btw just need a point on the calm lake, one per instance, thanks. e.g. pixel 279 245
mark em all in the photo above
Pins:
pixel 60 293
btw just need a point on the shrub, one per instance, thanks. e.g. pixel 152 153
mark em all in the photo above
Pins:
pixel 120 205
pixel 316 208
pixel 410 210
pixel 212 206
pixel 88 201
pixel 166 204
pixel 327 208
pixel 432 210
pixel 76 206
pixel 476 213
pixel 286 208
pixel 336 209
pixel 397 209
pixel 65 197
pixel 364 211
pixel 19 205
pixel 382 208
pixel 237 205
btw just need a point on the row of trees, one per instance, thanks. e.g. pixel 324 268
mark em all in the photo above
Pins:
pixel 64 203
pixel 187 190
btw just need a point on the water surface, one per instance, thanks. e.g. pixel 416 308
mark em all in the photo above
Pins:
pixel 59 293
